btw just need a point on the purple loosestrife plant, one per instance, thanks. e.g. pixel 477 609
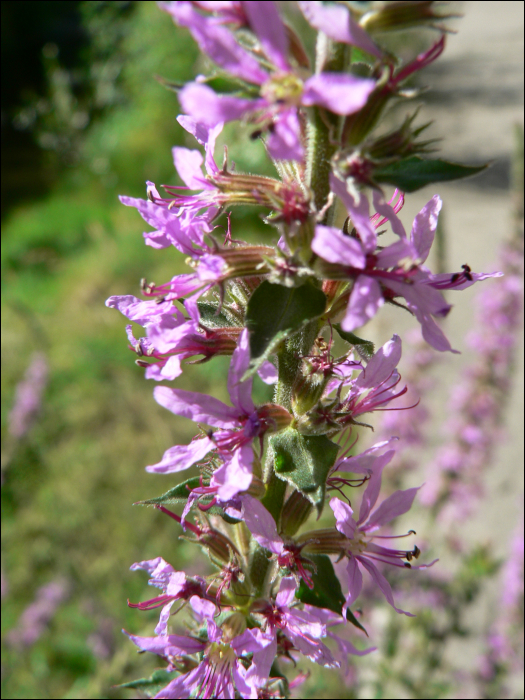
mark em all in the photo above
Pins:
pixel 274 307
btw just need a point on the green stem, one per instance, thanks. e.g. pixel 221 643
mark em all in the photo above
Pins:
pixel 324 129
pixel 289 362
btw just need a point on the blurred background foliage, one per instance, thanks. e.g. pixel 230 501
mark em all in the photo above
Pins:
pixel 83 120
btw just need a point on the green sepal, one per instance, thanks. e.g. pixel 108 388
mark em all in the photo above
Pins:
pixel 327 592
pixel 154 684
pixel 178 494
pixel 365 348
pixel 304 461
pixel 411 174
pixel 276 312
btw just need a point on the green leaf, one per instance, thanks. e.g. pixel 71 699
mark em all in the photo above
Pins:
pixel 411 174
pixel 178 494
pixel 153 685
pixel 275 312
pixel 327 592
pixel 209 316
pixel 304 462
pixel 365 348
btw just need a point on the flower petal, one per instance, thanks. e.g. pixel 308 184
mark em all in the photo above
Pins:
pixel 182 457
pixel 284 142
pixel 381 365
pixel 359 209
pixel 200 408
pixel 398 503
pixel 343 515
pixel 188 164
pixel 266 23
pixel 169 645
pixel 337 23
pixel 424 227
pixel 373 487
pixel 241 391
pixel 235 475
pixel 286 592
pixel 337 92
pixel 216 41
pixel 143 312
pixel 332 245
pixel 365 300
pixel 388 212
pixel 261 524
pixel 268 372
pixel 382 583
pixel 205 106
pixel 355 583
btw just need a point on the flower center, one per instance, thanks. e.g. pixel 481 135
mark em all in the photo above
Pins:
pixel 285 88
pixel 358 544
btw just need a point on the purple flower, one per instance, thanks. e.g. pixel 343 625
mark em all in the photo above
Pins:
pixel 238 425
pixel 281 89
pixel 360 548
pixel 37 616
pixel 28 396
pixel 394 271
pixel 337 23
pixel 302 627
pixel 375 386
pixel 185 226
pixel 174 584
pixel 171 337
pixel 220 672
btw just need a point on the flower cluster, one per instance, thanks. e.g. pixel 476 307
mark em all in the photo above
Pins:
pixel 274 308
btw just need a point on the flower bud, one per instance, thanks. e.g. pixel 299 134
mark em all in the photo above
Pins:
pixel 295 513
pixel 275 417
pixel 393 16
pixel 233 626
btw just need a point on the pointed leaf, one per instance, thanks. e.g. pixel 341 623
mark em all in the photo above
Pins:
pixel 154 684
pixel 327 592
pixel 411 174
pixel 365 348
pixel 304 462
pixel 212 319
pixel 178 494
pixel 275 311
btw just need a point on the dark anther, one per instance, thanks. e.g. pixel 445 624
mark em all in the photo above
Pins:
pixel 467 270
pixel 407 565
pixel 256 134
pixel 455 277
